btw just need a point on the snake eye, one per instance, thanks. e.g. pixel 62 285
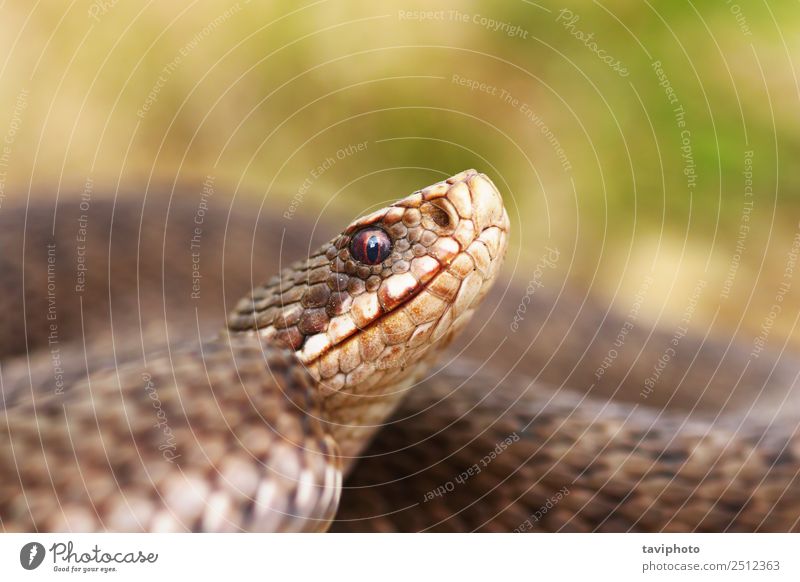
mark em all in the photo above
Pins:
pixel 370 246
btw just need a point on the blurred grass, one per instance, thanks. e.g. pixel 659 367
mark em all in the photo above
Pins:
pixel 267 92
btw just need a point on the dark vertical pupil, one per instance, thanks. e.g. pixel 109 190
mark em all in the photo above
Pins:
pixel 371 246
pixel 373 249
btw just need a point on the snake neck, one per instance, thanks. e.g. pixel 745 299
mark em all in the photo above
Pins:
pixel 353 413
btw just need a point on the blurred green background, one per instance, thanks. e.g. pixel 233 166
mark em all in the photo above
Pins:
pixel 639 138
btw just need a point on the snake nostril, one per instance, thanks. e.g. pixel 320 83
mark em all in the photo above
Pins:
pixel 437 217
pixel 440 217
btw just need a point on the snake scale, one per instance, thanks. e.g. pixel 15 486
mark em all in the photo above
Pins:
pixel 320 406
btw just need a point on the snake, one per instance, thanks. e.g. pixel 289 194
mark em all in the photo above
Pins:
pixel 352 391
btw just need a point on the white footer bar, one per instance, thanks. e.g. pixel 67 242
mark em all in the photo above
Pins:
pixel 385 558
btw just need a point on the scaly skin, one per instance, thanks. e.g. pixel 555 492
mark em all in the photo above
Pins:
pixel 250 431
pixel 694 456
pixel 468 452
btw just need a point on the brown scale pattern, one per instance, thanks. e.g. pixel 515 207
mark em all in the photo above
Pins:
pixel 756 469
pixel 262 420
pixel 623 469
pixel 171 446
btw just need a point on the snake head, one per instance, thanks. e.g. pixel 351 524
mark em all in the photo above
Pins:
pixel 387 294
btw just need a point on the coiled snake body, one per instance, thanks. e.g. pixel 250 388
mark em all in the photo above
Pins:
pixel 116 421
pixel 252 430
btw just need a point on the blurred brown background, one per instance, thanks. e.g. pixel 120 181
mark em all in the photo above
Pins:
pixel 639 139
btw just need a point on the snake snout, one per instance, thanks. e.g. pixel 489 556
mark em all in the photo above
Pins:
pixel 481 229
pixel 484 206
